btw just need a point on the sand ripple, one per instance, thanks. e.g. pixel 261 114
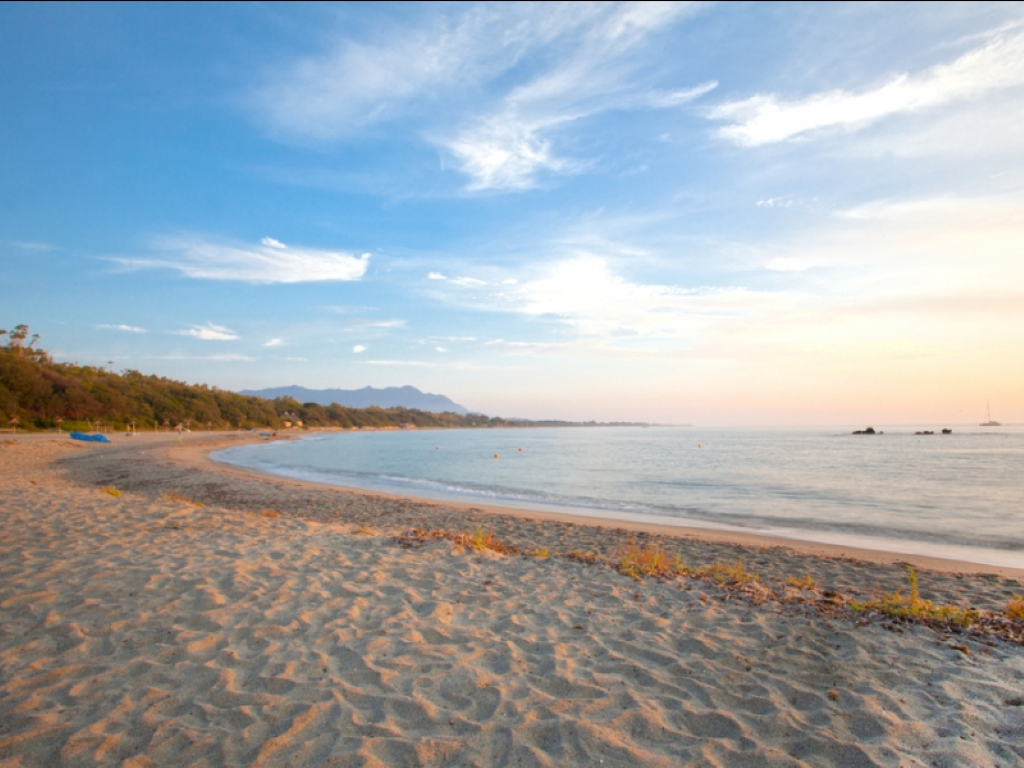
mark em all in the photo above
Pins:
pixel 152 632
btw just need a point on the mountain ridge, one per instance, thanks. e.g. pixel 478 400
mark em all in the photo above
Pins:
pixel 385 397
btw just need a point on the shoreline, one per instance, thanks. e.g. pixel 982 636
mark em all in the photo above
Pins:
pixel 686 529
pixel 157 608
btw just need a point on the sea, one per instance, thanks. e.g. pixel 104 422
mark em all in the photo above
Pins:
pixel 957 496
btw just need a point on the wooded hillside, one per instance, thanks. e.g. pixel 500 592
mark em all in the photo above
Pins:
pixel 37 393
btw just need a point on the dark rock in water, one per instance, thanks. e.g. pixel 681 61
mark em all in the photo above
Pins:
pixel 926 432
pixel 868 431
pixel 947 431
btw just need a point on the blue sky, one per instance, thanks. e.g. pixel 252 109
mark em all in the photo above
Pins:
pixel 719 214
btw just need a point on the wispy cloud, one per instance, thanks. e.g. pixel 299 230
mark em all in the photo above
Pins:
pixel 210 332
pixel 595 72
pixel 269 262
pixel 361 324
pixel 231 357
pixel 464 281
pixel 359 348
pixel 30 246
pixel 273 343
pixel 521 347
pixel 776 202
pixel 128 328
pixel 587 296
pixel 766 119
pixel 580 60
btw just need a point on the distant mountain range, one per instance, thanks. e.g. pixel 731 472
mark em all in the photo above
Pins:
pixel 388 397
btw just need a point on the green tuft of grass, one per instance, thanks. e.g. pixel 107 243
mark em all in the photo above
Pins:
pixel 540 552
pixel 913 606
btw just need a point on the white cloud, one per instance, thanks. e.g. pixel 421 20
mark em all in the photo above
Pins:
pixel 468 281
pixel 775 202
pixel 788 264
pixel 504 153
pixel 762 119
pixel 128 328
pixel 512 147
pixel 28 246
pixel 440 349
pixel 521 347
pixel 588 55
pixel 210 332
pixel 272 243
pixel 273 343
pixel 417 363
pixel 212 260
pixel 230 358
pixel 358 348
pixel 584 293
pixel 436 276
pixel 378 324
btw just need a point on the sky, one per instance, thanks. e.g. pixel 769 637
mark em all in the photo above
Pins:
pixel 717 214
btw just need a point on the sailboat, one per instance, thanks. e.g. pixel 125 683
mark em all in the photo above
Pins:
pixel 988 413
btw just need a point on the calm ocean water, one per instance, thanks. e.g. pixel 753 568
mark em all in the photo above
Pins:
pixel 959 495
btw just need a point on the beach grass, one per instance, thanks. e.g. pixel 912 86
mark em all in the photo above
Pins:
pixel 1015 608
pixel 912 606
pixel 807 582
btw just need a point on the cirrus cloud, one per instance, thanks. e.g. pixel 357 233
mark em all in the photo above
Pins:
pixel 767 119
pixel 269 262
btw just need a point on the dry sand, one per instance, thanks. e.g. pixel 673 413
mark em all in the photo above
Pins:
pixel 143 630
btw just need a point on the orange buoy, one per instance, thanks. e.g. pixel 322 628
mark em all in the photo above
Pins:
pixel 495 455
pixel 520 450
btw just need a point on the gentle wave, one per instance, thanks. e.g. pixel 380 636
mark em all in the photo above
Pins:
pixel 962 492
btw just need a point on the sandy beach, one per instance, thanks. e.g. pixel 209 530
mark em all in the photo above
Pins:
pixel 197 614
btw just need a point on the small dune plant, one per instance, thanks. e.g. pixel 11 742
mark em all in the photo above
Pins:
pixel 482 539
pixel 1015 608
pixel 112 491
pixel 725 573
pixel 805 583
pixel 649 560
pixel 913 606
pixel 542 552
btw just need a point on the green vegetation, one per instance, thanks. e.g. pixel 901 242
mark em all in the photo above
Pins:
pixel 912 606
pixel 1015 608
pixel 37 393
pixel 650 560
pixel 724 573
pixel 807 582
